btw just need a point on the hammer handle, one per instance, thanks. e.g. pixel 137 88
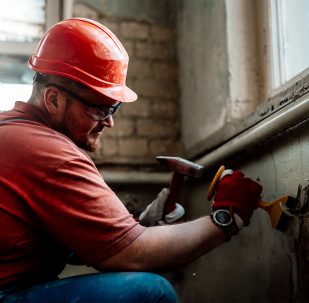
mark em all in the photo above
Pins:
pixel 175 187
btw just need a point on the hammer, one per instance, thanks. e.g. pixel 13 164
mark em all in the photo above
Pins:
pixel 181 168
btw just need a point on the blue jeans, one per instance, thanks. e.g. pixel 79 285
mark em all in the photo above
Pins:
pixel 116 287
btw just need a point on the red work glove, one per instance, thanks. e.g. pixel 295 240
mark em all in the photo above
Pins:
pixel 238 194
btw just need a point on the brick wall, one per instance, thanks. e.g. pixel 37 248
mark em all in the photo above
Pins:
pixel 150 126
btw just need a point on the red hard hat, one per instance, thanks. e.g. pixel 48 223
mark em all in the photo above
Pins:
pixel 87 52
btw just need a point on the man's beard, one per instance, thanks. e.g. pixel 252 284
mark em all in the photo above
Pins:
pixel 68 124
pixel 86 145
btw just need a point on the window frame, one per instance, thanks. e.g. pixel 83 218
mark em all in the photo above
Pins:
pixel 278 70
pixel 276 100
pixel 55 10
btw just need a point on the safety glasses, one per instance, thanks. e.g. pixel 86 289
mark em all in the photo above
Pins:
pixel 96 112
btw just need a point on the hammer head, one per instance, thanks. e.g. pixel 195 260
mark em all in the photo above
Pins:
pixel 182 166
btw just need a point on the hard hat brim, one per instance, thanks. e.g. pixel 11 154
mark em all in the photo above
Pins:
pixel 120 93
pixel 117 93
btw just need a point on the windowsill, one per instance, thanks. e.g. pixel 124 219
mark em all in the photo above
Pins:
pixel 285 97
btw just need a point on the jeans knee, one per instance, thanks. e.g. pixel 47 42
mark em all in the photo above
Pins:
pixel 160 289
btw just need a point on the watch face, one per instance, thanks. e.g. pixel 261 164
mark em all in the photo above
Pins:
pixel 223 217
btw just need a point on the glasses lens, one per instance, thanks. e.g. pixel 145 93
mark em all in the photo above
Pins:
pixel 102 113
pixel 96 113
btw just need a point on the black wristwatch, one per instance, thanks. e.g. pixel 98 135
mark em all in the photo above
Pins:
pixel 223 219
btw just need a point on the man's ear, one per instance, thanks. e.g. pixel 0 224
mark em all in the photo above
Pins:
pixel 51 100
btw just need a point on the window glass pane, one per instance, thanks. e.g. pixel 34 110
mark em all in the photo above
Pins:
pixel 14 69
pixel 9 93
pixel 290 43
pixel 22 20
pixel 22 24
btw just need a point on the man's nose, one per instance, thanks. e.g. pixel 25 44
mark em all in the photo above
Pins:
pixel 108 122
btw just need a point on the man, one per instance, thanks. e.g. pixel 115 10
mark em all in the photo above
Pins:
pixel 53 202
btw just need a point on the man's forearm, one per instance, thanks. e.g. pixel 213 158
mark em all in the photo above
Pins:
pixel 162 248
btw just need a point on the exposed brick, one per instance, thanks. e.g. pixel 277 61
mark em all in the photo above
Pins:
pixel 111 25
pixel 156 88
pixel 153 51
pixel 134 30
pixel 140 68
pixel 129 47
pixel 140 108
pixel 123 127
pixel 133 147
pixel 85 11
pixel 157 129
pixel 166 148
pixel 136 159
pixel 161 33
pixel 109 147
pixel 164 109
pixel 165 70
pixel 148 127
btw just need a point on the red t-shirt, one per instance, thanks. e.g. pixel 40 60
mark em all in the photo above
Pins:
pixel 53 200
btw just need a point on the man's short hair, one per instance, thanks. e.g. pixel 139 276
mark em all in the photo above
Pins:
pixel 44 79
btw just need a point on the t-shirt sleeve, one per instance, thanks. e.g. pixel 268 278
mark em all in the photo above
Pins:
pixel 77 207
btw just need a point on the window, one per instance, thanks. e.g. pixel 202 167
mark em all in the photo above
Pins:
pixel 9 93
pixel 289 21
pixel 22 23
